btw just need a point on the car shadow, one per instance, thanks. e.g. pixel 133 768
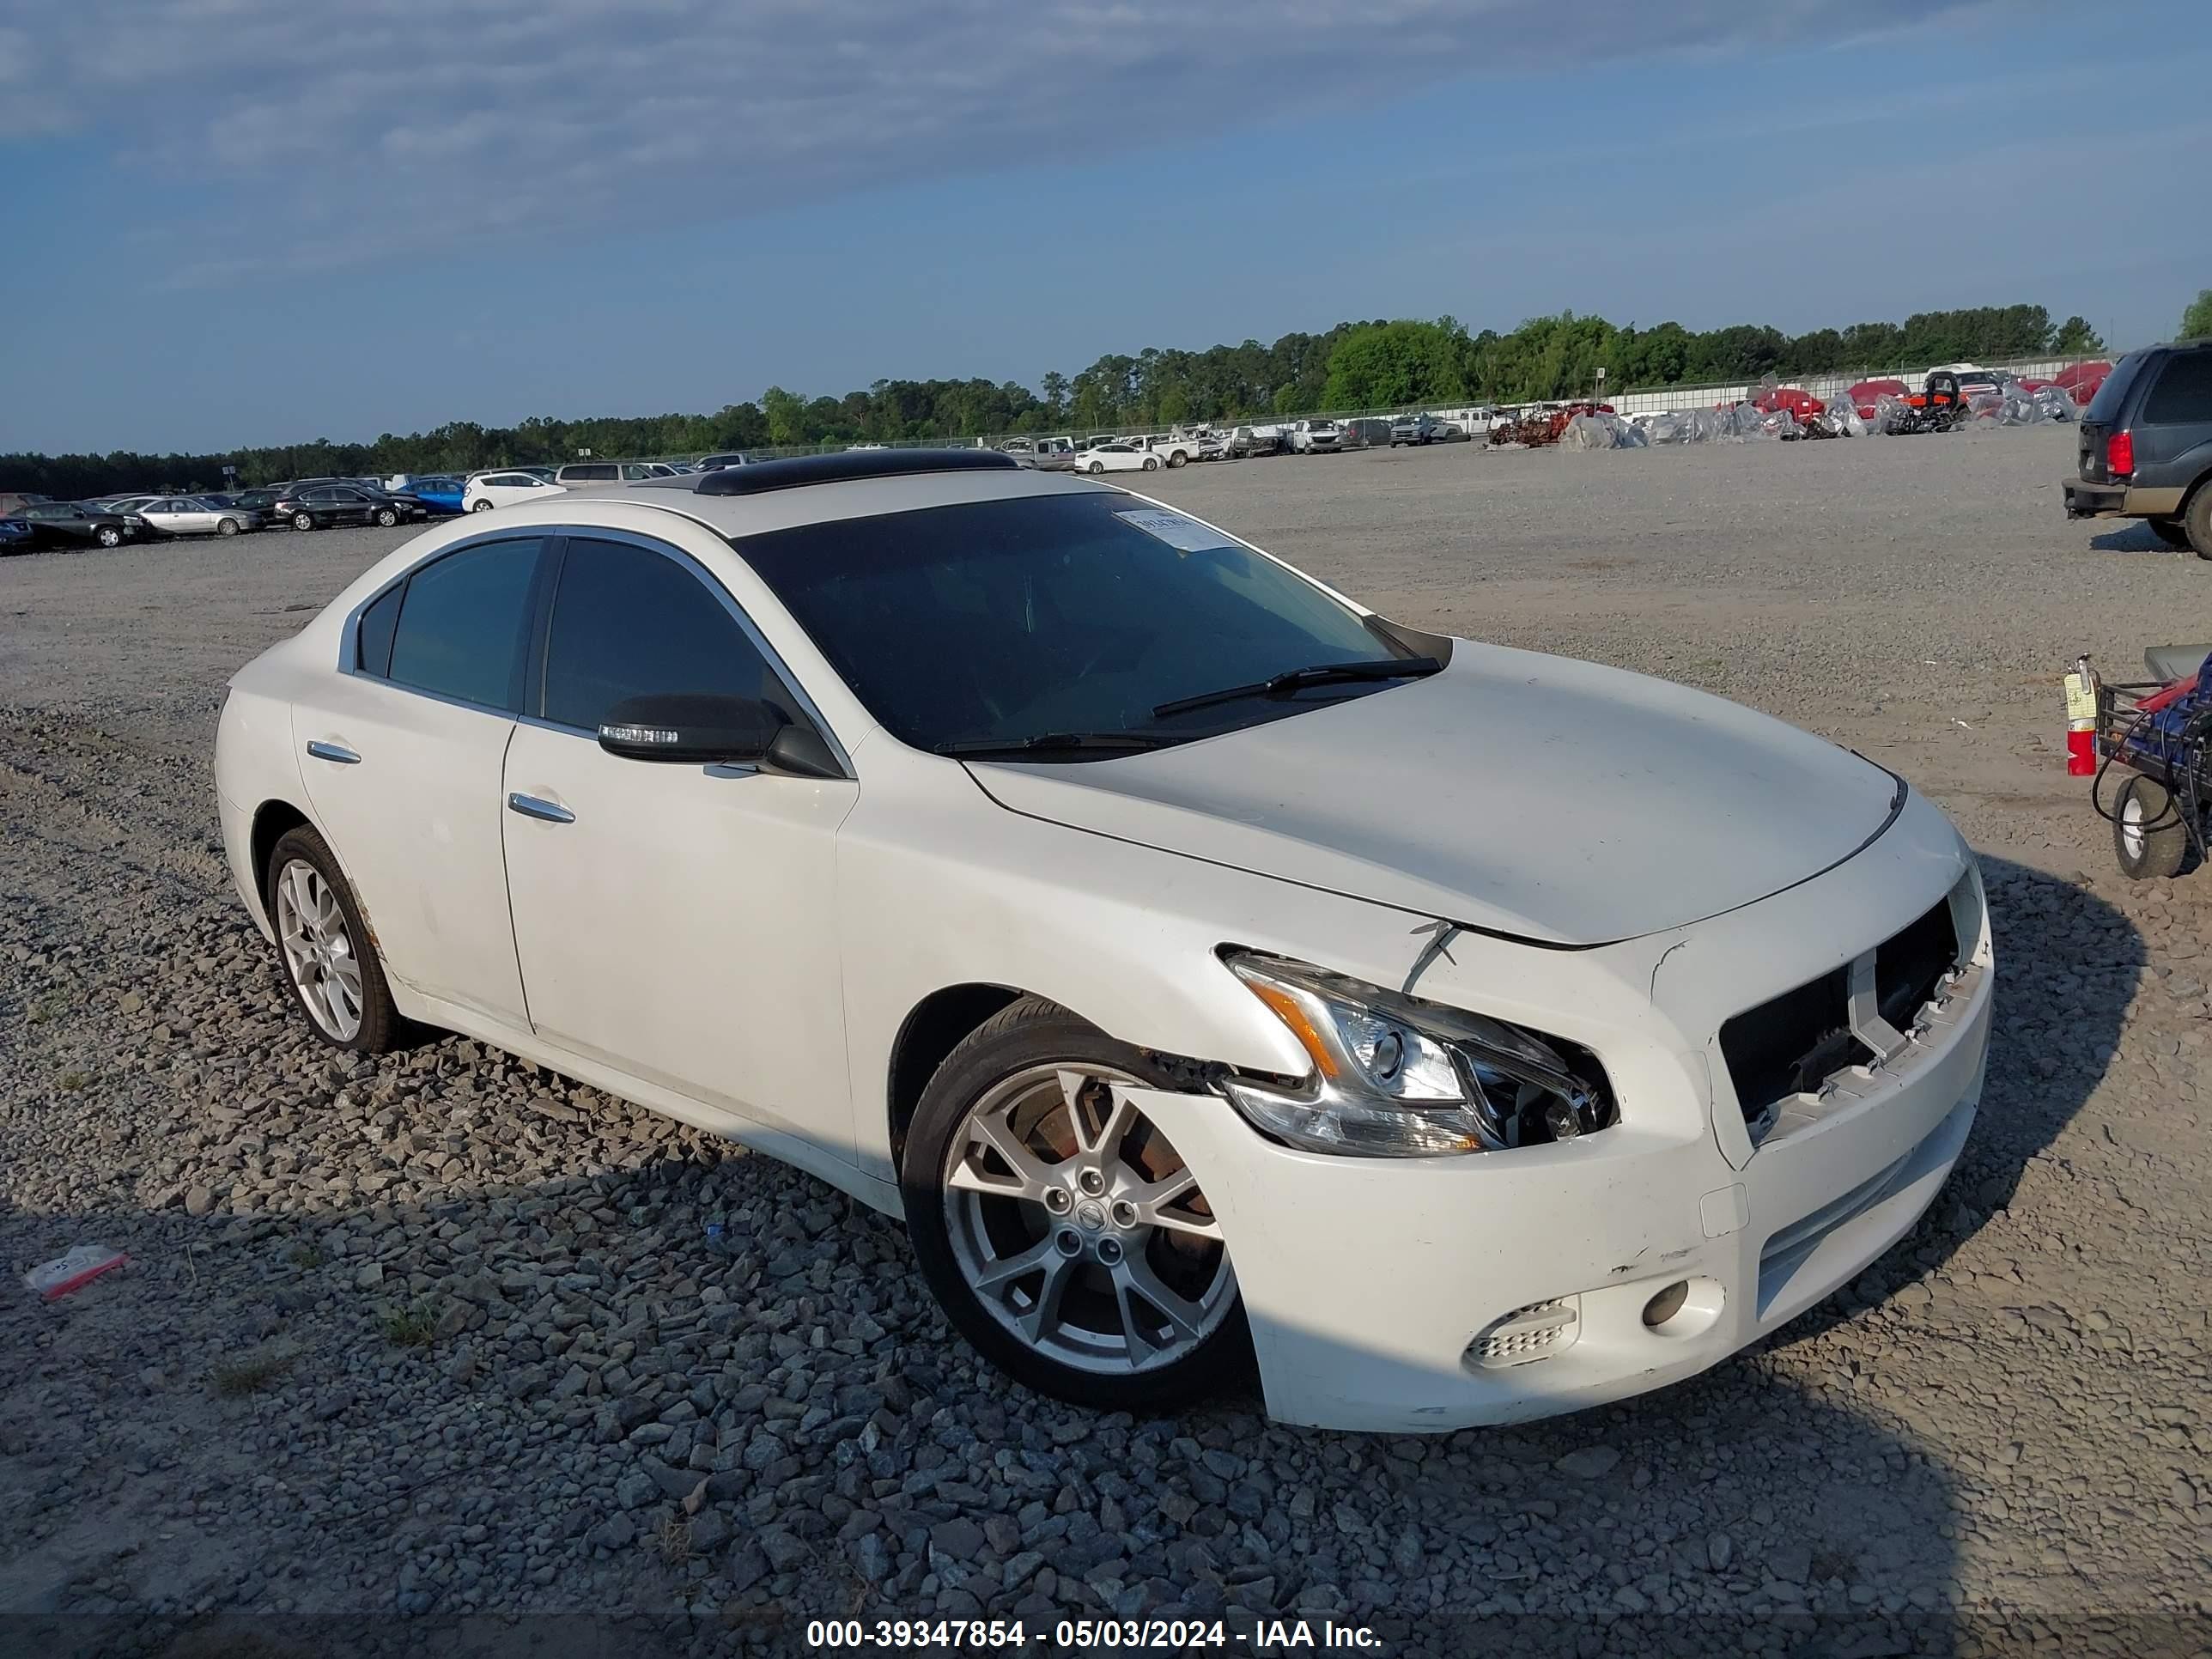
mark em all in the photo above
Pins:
pixel 2136 536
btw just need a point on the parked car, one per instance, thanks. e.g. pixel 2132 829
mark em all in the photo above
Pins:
pixel 319 506
pixel 1128 980
pixel 440 496
pixel 72 524
pixel 195 515
pixel 593 472
pixel 1180 449
pixel 716 463
pixel 1420 429
pixel 13 501
pixel 14 536
pixel 1315 438
pixel 2145 445
pixel 1116 456
pixel 489 489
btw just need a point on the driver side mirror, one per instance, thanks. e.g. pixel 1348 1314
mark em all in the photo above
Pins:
pixel 698 729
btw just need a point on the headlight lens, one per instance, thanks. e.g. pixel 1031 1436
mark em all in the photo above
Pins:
pixel 1394 1076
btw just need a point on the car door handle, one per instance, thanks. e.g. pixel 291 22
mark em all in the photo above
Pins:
pixel 532 807
pixel 333 752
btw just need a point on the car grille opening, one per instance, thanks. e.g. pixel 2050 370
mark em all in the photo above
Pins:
pixel 1788 1046
pixel 1792 1043
pixel 1908 967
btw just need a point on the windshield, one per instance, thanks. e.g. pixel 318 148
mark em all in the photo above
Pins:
pixel 1082 613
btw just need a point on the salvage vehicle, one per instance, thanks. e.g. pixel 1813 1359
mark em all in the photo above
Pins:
pixel 320 506
pixel 195 515
pixel 71 524
pixel 1156 977
pixel 2145 445
pixel 1311 437
pixel 1118 456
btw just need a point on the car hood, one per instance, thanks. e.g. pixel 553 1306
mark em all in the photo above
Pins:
pixel 1529 795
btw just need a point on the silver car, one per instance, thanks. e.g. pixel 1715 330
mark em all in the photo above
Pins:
pixel 189 515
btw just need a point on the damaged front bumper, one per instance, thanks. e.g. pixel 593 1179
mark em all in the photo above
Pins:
pixel 1409 1294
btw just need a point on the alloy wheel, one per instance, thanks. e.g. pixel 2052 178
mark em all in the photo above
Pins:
pixel 1079 1227
pixel 318 949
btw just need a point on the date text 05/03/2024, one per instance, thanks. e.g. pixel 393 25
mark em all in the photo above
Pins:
pixel 1126 1635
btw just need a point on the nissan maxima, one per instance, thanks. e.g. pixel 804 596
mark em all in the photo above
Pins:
pixel 1214 974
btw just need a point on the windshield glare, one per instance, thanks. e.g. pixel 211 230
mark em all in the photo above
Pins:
pixel 1011 620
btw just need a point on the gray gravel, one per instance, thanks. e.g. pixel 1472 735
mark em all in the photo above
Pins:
pixel 443 1335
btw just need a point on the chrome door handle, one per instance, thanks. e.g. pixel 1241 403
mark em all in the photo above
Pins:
pixel 532 807
pixel 332 752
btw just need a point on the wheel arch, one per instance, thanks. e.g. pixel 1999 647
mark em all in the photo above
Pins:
pixel 933 1029
pixel 272 821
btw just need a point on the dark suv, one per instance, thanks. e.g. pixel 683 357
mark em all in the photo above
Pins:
pixel 2146 445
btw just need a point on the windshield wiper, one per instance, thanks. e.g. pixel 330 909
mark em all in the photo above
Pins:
pixel 1293 679
pixel 1047 742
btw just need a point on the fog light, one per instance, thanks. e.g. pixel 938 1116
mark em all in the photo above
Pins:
pixel 1668 1302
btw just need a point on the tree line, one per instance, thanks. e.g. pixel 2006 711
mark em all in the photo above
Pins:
pixel 1356 364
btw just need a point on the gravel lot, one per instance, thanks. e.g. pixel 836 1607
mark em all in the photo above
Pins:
pixel 443 1336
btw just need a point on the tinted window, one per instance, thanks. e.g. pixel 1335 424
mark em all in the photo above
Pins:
pixel 629 623
pixel 2183 396
pixel 2113 393
pixel 464 621
pixel 1013 619
pixel 377 624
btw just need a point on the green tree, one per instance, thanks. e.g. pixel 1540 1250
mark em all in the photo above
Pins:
pixel 2197 321
pixel 2076 338
pixel 787 416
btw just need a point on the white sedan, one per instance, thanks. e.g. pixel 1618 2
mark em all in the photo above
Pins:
pixel 1117 456
pixel 486 490
pixel 1209 971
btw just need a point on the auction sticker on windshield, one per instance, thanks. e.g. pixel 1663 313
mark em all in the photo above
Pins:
pixel 1185 535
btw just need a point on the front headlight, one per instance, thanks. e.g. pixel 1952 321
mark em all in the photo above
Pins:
pixel 1394 1076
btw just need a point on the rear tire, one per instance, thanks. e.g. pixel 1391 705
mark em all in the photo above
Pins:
pixel 2149 840
pixel 303 521
pixel 1072 1312
pixel 2197 517
pixel 324 950
pixel 2172 532
pixel 480 504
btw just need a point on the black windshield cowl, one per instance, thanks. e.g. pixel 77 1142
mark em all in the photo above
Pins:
pixel 1295 679
pixel 1045 743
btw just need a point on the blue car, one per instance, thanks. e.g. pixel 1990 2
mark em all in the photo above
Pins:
pixel 14 536
pixel 442 495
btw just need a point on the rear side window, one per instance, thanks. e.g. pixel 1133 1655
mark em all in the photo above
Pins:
pixel 373 654
pixel 2183 396
pixel 463 624
pixel 629 623
pixel 2113 396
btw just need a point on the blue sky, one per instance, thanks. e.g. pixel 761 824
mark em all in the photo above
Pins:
pixel 241 221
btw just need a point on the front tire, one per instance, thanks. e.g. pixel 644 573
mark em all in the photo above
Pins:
pixel 386 518
pixel 324 948
pixel 226 528
pixel 108 536
pixel 1151 463
pixel 2149 840
pixel 1058 1227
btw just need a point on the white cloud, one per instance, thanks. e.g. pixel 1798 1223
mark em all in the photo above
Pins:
pixel 565 112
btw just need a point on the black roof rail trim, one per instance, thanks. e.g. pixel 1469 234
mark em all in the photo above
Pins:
pixel 798 470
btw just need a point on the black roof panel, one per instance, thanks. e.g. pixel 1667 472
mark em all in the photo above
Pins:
pixel 762 476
